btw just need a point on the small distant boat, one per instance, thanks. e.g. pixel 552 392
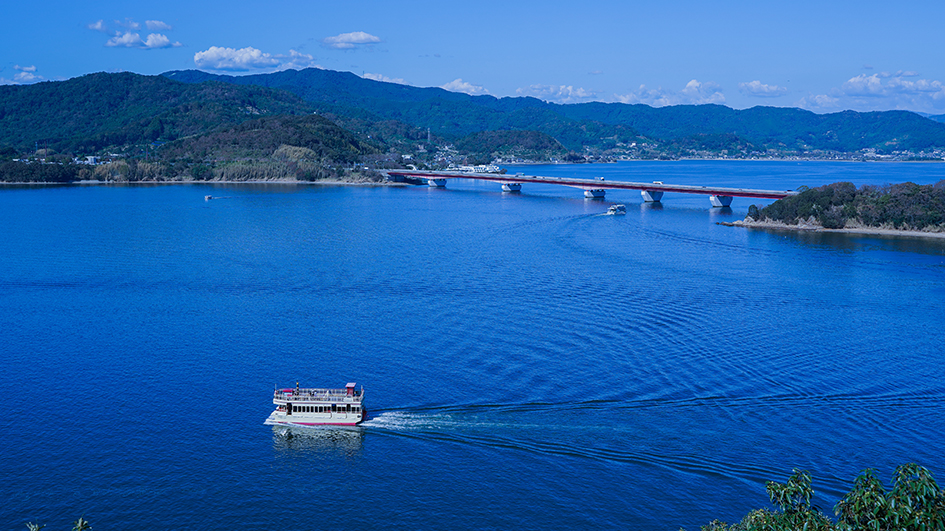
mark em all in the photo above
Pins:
pixel 617 210
pixel 207 197
pixel 318 407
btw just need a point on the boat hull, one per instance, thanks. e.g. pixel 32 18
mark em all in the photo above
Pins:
pixel 279 418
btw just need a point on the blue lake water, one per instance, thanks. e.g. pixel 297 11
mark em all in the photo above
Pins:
pixel 528 362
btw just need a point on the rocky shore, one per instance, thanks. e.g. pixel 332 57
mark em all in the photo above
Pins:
pixel 811 225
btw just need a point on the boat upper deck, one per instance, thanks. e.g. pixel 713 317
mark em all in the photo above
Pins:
pixel 315 395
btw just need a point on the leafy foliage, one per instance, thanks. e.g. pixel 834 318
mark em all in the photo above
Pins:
pixel 37 172
pixel 914 503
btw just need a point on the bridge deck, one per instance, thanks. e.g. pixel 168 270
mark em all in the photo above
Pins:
pixel 592 184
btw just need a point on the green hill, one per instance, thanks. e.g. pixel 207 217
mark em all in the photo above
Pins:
pixel 905 206
pixel 453 116
pixel 90 113
pixel 489 145
pixel 163 129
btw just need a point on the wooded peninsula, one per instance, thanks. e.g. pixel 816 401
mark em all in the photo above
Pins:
pixel 892 207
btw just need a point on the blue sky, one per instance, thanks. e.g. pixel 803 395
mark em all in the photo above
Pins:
pixel 825 56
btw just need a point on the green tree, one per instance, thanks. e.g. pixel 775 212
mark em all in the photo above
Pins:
pixel 914 503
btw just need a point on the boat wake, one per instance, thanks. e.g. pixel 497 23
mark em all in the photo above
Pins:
pixel 407 421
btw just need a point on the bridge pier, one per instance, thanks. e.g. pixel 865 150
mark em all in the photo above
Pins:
pixel 511 187
pixel 596 193
pixel 720 200
pixel 651 196
pixel 437 183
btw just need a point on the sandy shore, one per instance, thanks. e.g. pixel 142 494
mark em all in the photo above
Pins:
pixel 807 227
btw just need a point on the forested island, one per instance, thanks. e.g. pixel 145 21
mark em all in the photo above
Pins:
pixel 892 207
pixel 315 124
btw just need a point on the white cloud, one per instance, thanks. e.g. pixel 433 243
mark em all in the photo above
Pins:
pixel 694 93
pixel 296 61
pixel 23 76
pixel 244 59
pixel 126 39
pixel 881 92
pixel 134 40
pixel 157 40
pixel 381 77
pixel 863 85
pixel 873 86
pixel 346 41
pixel 707 92
pixel 557 94
pixel 819 102
pixel 154 25
pixel 249 58
pixel 130 38
pixel 761 90
pixel 458 85
pixel 596 72
pixel 98 26
pixel 922 86
pixel 27 77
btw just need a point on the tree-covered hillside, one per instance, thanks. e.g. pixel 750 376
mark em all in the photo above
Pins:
pixel 453 116
pixel 263 136
pixel 906 206
pixel 150 128
pixel 489 145
pixel 89 113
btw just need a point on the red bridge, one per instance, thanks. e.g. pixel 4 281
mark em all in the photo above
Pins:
pixel 719 196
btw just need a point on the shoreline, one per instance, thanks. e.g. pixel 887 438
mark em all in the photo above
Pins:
pixel 327 182
pixel 806 227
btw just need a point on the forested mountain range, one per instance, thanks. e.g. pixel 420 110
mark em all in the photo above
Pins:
pixel 312 122
pixel 453 116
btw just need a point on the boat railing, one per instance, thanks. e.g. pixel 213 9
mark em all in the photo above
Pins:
pixel 317 395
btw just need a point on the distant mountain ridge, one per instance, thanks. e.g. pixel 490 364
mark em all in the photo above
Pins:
pixel 455 115
pixel 135 115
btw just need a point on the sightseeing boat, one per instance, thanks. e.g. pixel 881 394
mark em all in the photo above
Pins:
pixel 318 407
